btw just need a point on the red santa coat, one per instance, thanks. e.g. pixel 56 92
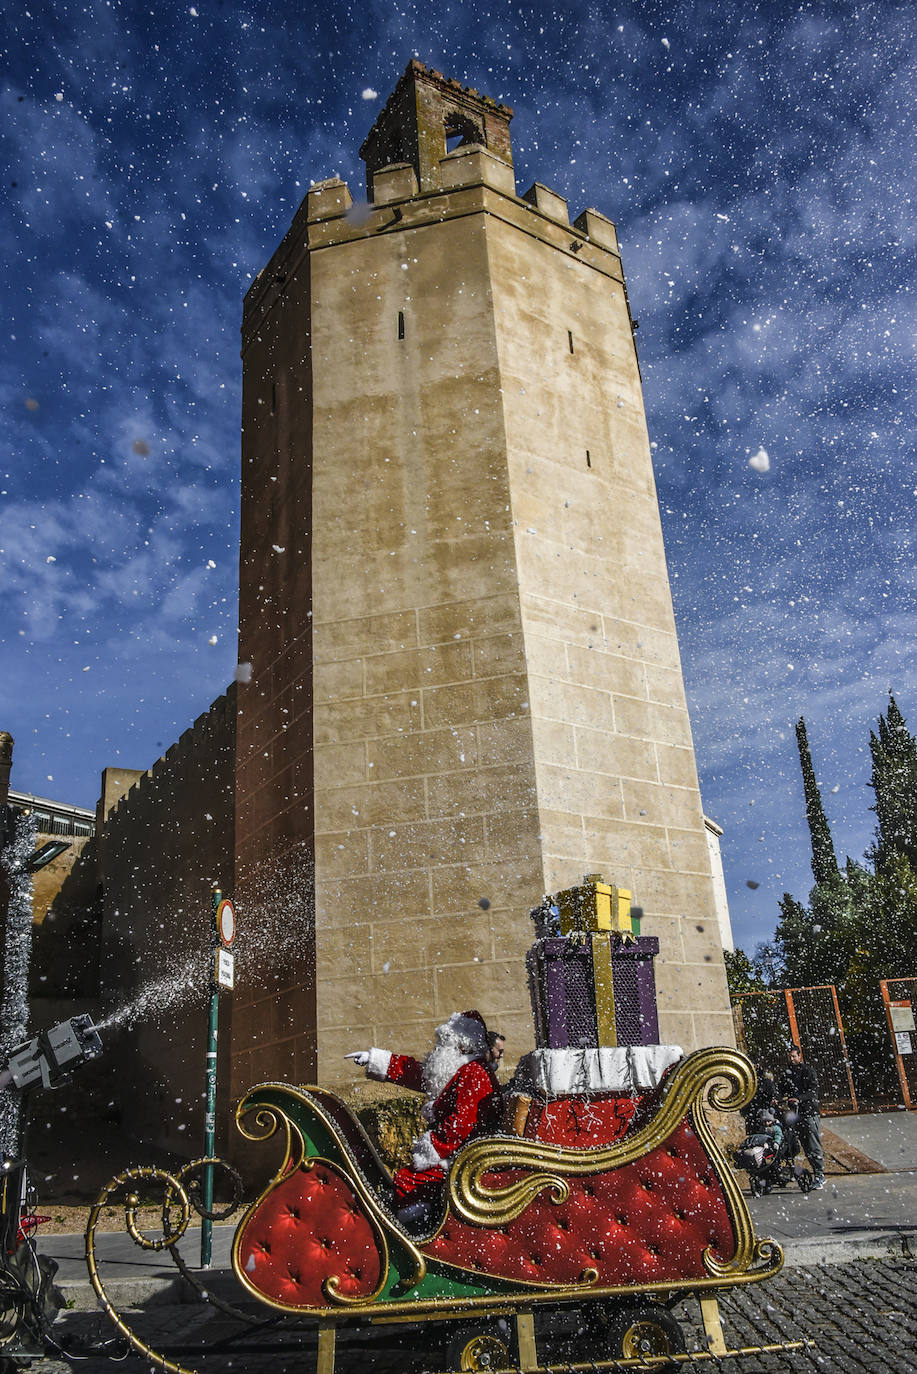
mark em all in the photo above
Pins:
pixel 470 1104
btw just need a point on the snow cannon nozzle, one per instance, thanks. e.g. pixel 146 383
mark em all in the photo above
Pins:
pixel 52 1054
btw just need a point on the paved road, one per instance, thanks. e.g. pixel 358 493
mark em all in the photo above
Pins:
pixel 863 1316
pixel 848 1211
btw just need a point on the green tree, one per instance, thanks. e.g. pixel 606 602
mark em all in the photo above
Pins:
pixel 824 860
pixel 894 782
pixel 860 924
pixel 888 920
pixel 792 943
pixel 741 973
pixel 814 943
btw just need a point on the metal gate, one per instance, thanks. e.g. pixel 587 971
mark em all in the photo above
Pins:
pixel 899 996
pixel 767 1023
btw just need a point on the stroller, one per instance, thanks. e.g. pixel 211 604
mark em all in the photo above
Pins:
pixel 768 1152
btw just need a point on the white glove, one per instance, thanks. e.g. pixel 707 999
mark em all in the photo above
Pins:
pixel 425 1154
pixel 359 1057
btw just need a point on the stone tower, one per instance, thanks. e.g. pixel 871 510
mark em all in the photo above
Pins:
pixel 466 686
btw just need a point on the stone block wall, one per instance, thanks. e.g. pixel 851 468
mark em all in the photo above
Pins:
pixel 164 844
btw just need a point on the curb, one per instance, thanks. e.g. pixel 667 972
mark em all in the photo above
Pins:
pixel 166 1288
pixel 881 1245
pixel 156 1291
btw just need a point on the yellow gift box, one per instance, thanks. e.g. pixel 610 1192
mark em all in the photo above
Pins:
pixel 594 906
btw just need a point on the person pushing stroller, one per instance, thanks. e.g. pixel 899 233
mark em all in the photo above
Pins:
pixel 773 1140
pixel 799 1086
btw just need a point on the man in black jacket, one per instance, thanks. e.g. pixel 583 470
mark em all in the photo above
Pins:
pixel 799 1085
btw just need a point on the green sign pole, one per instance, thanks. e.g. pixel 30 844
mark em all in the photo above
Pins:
pixel 210 1113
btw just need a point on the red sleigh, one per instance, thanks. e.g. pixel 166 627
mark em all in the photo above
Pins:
pixel 646 1211
pixel 604 1208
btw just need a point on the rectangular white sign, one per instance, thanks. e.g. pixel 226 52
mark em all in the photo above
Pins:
pixel 903 1016
pixel 903 1041
pixel 224 971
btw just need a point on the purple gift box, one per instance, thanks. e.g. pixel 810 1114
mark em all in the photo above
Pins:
pixel 636 1017
pixel 563 996
pixel 564 989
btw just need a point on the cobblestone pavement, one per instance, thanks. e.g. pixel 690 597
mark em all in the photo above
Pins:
pixel 863 1316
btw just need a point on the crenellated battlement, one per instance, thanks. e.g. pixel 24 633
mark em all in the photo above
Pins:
pixel 196 741
pixel 427 116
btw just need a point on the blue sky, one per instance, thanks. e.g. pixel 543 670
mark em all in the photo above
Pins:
pixel 756 162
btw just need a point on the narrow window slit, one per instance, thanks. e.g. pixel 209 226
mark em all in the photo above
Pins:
pixel 401 324
pixel 570 339
pixel 588 459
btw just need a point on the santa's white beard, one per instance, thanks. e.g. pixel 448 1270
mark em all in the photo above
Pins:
pixel 440 1067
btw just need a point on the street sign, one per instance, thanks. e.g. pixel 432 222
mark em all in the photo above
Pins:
pixel 223 970
pixel 226 922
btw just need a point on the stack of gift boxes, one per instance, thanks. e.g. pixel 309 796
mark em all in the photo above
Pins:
pixel 591 971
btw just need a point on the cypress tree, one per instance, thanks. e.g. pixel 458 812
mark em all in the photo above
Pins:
pixel 792 947
pixel 894 781
pixel 824 860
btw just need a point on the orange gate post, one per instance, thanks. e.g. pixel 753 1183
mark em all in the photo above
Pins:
pixel 899 1013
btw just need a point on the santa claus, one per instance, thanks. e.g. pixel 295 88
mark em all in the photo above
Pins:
pixel 463 1099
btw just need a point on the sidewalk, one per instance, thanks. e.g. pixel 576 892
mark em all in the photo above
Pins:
pixel 890 1138
pixel 140 1278
pixel 855 1216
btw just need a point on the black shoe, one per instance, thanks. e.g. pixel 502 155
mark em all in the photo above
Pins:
pixel 416 1216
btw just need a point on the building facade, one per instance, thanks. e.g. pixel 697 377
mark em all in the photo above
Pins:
pixel 466 687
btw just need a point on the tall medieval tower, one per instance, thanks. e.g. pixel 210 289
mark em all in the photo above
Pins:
pixel 466 686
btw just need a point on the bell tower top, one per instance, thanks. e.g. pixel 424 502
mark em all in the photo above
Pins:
pixel 426 116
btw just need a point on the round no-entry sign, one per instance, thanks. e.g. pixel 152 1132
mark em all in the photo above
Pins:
pixel 226 922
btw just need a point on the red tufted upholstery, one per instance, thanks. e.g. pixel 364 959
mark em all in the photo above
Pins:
pixel 643 1223
pixel 583 1122
pixel 311 1226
